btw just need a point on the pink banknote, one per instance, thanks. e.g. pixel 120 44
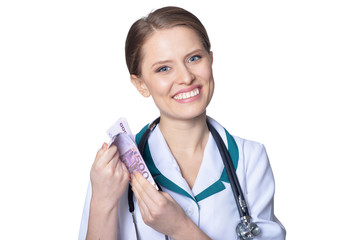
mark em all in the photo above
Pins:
pixel 122 137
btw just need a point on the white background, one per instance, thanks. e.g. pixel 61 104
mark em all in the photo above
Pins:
pixel 287 74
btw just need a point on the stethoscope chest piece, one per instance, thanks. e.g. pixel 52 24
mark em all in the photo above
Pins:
pixel 247 230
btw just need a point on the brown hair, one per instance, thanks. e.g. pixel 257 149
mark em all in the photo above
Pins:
pixel 162 18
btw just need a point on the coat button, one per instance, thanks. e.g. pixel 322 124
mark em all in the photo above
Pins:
pixel 189 211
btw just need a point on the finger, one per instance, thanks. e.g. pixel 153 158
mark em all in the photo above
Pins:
pixel 146 185
pixel 109 155
pixel 122 171
pixel 100 152
pixel 125 170
pixel 114 161
pixel 116 164
pixel 144 210
pixel 146 190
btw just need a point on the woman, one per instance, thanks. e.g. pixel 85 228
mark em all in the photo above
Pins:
pixel 168 56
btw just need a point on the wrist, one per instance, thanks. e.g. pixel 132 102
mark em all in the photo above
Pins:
pixel 102 221
pixel 103 205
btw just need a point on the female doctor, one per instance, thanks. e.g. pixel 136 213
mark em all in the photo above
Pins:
pixel 168 56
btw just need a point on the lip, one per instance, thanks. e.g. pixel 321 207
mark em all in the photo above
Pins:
pixel 188 90
pixel 191 99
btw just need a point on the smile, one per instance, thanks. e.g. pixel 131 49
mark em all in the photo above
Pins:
pixel 187 95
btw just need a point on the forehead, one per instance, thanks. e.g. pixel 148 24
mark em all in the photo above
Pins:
pixel 166 44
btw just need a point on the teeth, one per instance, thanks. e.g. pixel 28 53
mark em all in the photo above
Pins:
pixel 186 95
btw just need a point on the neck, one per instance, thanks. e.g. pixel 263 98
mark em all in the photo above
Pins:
pixel 187 136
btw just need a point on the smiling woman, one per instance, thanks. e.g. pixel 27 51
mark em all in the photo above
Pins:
pixel 200 167
pixel 185 69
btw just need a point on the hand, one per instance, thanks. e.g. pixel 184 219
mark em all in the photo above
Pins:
pixel 109 177
pixel 159 210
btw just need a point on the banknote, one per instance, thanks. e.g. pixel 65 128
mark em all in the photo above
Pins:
pixel 120 126
pixel 122 137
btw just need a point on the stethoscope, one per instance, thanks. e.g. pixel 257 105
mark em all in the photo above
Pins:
pixel 246 229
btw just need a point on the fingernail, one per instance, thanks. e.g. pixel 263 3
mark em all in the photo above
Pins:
pixel 131 175
pixel 104 146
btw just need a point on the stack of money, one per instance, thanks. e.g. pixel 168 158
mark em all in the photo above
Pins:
pixel 122 137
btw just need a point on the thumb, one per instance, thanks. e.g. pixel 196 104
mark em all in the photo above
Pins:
pixel 167 196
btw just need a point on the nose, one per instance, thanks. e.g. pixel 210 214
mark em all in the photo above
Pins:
pixel 185 75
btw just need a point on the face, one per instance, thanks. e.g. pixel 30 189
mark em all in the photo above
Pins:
pixel 176 71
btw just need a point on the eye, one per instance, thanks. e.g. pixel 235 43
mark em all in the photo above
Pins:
pixel 194 58
pixel 163 69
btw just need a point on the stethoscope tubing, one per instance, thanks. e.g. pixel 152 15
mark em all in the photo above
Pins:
pixel 231 171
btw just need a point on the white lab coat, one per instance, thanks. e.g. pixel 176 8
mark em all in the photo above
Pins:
pixel 210 203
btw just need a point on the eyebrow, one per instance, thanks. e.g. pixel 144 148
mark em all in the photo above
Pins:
pixel 167 61
pixel 160 63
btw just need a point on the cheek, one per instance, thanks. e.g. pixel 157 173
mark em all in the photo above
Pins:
pixel 203 70
pixel 206 73
pixel 159 87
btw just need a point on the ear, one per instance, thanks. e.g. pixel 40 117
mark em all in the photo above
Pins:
pixel 139 83
pixel 211 56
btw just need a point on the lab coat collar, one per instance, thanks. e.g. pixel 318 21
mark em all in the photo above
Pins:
pixel 166 171
pixel 165 162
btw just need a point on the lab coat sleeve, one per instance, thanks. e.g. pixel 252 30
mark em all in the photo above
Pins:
pixel 85 217
pixel 260 189
pixel 125 227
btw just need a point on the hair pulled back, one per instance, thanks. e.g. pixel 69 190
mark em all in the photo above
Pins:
pixel 162 18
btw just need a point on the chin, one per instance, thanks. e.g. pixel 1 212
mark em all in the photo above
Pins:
pixel 185 115
pixel 187 111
